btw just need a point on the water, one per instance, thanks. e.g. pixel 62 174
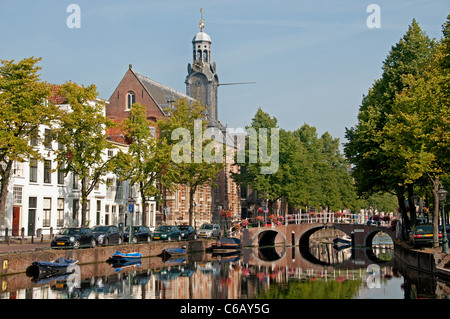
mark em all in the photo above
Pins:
pixel 277 273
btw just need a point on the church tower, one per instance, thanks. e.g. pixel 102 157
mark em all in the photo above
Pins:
pixel 202 80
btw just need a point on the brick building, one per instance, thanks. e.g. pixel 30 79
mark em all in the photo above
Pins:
pixel 201 85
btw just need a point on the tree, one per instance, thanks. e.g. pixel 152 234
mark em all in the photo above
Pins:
pixel 196 158
pixel 81 130
pixel 24 108
pixel 418 130
pixel 257 149
pixel 377 168
pixel 329 182
pixel 147 161
pixel 312 171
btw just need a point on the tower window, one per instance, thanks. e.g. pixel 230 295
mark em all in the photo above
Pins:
pixel 205 56
pixel 199 55
pixel 131 99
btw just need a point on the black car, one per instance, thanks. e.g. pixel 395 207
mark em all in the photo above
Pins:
pixel 167 233
pixel 74 237
pixel 106 235
pixel 187 232
pixel 140 233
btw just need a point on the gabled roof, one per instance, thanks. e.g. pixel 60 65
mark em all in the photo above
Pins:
pixel 115 134
pixel 163 96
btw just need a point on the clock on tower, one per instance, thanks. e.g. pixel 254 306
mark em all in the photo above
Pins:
pixel 202 80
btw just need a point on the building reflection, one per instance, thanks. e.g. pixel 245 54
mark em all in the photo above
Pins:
pixel 272 272
pixel 226 277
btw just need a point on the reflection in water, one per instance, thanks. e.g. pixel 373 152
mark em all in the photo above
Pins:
pixel 234 276
pixel 326 249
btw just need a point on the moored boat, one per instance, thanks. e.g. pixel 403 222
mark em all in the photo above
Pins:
pixel 168 253
pixel 342 240
pixel 120 257
pixel 45 269
pixel 226 244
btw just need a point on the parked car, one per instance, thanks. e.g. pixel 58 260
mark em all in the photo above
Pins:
pixel 209 230
pixel 74 237
pixel 106 235
pixel 422 234
pixel 167 233
pixel 140 234
pixel 187 232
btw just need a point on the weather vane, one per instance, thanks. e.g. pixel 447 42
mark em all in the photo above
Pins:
pixel 202 22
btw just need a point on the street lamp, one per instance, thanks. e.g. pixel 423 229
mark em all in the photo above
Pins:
pixel 442 198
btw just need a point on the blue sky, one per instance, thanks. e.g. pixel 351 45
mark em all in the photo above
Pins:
pixel 312 60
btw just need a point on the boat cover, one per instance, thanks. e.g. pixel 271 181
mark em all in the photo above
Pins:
pixel 120 255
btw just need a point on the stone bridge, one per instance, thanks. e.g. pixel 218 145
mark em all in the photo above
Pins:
pixel 298 234
pixel 289 244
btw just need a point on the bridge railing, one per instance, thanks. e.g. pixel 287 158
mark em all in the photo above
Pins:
pixel 325 217
pixel 322 218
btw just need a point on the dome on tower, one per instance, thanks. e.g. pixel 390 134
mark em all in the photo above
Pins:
pixel 201 37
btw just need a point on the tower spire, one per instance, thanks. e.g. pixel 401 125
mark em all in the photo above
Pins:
pixel 202 22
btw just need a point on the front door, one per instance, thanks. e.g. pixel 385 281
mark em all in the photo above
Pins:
pixel 16 221
pixel 31 222
pixel 32 205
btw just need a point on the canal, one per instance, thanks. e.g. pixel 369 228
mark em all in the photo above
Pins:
pixel 270 273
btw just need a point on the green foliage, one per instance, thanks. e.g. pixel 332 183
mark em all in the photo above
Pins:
pixel 147 161
pixel 383 202
pixel 376 168
pixel 192 171
pixel 297 289
pixel 402 135
pixel 23 107
pixel 81 130
pixel 312 171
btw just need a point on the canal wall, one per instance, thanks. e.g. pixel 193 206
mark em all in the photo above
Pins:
pixel 430 262
pixel 18 262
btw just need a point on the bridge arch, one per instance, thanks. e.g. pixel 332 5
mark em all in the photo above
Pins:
pixel 268 237
pixel 303 243
pixel 368 241
pixel 298 234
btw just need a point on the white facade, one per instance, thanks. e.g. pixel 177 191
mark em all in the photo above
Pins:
pixel 41 200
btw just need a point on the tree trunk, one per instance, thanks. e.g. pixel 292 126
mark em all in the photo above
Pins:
pixel 412 207
pixel 191 206
pixel 401 203
pixel 144 205
pixel 435 182
pixel 83 201
pixel 4 192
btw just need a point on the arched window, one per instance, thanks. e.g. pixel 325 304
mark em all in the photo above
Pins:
pixel 199 55
pixel 131 99
pixel 205 56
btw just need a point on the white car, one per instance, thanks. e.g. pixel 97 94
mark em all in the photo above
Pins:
pixel 209 231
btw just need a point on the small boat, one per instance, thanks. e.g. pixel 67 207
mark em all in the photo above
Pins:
pixel 120 257
pixel 341 247
pixel 343 240
pixel 45 269
pixel 119 266
pixel 226 244
pixel 170 252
